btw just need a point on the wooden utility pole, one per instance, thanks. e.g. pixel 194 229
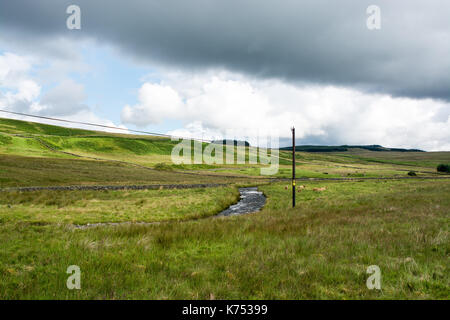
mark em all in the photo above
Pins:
pixel 293 166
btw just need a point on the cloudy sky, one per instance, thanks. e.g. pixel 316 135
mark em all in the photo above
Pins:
pixel 202 67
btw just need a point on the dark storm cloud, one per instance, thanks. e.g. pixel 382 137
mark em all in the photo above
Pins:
pixel 316 41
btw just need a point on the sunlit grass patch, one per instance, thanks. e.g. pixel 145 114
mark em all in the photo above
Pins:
pixel 81 207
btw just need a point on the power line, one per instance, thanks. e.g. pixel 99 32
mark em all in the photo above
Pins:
pixel 109 127
pixel 100 125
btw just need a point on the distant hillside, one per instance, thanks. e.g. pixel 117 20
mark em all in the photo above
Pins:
pixel 41 140
pixel 343 148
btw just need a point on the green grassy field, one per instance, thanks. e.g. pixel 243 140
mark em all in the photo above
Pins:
pixel 318 250
pixel 19 171
pixel 81 207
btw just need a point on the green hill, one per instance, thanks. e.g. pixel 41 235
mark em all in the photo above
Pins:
pixel 39 154
pixel 343 148
pixel 36 139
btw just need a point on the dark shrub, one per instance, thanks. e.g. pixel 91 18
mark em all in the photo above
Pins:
pixel 412 174
pixel 443 168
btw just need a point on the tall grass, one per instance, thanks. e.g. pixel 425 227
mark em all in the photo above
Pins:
pixel 321 249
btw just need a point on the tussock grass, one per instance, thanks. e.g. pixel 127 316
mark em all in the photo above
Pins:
pixel 17 171
pixel 318 250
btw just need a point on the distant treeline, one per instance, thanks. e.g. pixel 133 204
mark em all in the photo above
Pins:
pixel 346 148
pixel 233 142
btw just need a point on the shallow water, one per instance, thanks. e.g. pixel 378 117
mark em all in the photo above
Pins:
pixel 252 200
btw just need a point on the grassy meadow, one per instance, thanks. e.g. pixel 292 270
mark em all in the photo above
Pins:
pixel 82 207
pixel 318 250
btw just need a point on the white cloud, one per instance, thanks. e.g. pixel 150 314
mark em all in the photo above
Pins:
pixel 22 92
pixel 195 130
pixel 64 99
pixel 20 89
pixel 19 92
pixel 156 102
pixel 13 68
pixel 212 103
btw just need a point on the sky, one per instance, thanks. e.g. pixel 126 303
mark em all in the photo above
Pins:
pixel 212 69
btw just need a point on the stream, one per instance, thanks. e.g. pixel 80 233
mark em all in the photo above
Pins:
pixel 252 200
